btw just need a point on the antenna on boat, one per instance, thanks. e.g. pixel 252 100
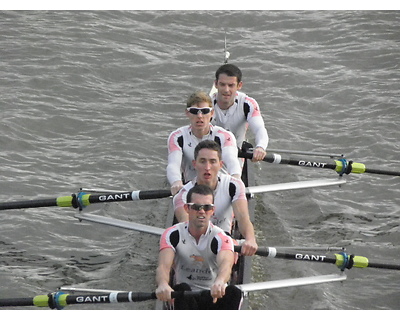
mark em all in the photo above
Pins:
pixel 227 53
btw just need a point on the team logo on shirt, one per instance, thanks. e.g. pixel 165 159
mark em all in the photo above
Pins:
pixel 197 258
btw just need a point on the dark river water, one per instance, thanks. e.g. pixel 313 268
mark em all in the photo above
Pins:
pixel 88 99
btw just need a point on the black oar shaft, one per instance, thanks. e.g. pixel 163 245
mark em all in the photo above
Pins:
pixel 276 158
pixel 154 194
pixel 59 300
pixel 384 172
pixel 83 199
pixel 341 166
pixel 341 260
pixel 28 204
pixel 110 298
pixel 16 302
pixel 128 196
pixel 274 253
pixel 383 266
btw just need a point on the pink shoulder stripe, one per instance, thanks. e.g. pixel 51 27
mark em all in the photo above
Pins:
pixel 228 141
pixel 173 141
pixel 226 241
pixel 256 109
pixel 241 195
pixel 164 240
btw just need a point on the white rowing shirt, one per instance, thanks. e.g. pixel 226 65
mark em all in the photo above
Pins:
pixel 195 263
pixel 244 113
pixel 228 190
pixel 181 145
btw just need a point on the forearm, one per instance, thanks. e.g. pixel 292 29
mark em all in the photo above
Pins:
pixel 224 272
pixel 260 133
pixel 241 212
pixel 162 275
pixel 174 173
pixel 249 247
pixel 246 229
pixel 225 260
pixel 163 291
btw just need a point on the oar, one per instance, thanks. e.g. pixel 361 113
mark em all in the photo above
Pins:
pixel 82 199
pixel 295 185
pixel 341 166
pixel 59 300
pixel 293 282
pixel 254 286
pixel 341 260
pixel 249 287
pixel 129 225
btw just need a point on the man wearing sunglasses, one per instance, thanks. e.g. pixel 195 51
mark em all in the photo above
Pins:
pixel 181 142
pixel 235 111
pixel 202 257
pixel 230 195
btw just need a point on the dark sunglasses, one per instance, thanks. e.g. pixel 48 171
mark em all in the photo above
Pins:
pixel 198 207
pixel 194 110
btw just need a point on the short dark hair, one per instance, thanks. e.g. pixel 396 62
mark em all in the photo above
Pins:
pixel 230 70
pixel 208 144
pixel 199 189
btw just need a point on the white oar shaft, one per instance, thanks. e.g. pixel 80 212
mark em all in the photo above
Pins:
pixel 291 282
pixel 249 287
pixel 120 223
pixel 296 185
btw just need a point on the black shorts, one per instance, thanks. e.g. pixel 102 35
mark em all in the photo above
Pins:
pixel 232 299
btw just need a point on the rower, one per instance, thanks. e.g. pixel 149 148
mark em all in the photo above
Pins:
pixel 201 255
pixel 181 142
pixel 230 195
pixel 235 111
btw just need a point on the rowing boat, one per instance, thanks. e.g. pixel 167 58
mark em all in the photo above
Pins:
pixel 241 271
